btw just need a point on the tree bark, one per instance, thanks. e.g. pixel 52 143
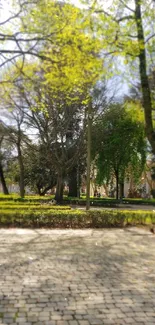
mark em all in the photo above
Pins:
pixel 21 167
pixel 146 91
pixel 73 183
pixel 3 182
pixel 38 189
pixel 106 189
pixel 46 189
pixel 59 189
pixel 88 157
pixel 117 184
pixel 121 190
pixel 78 181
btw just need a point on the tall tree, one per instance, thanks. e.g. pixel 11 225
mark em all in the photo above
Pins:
pixel 118 141
pixel 3 148
pixel 40 175
pixel 14 134
pixel 130 33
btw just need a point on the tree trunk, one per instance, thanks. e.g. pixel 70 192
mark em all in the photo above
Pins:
pixel 78 181
pixel 59 189
pixel 146 92
pixel 106 189
pixel 38 189
pixel 73 183
pixel 121 190
pixel 21 167
pixel 117 184
pixel 88 157
pixel 46 189
pixel 2 178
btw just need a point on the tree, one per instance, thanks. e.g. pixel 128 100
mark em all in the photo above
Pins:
pixel 14 128
pixel 64 80
pixel 24 43
pixel 3 149
pixel 17 138
pixel 79 64
pixel 130 33
pixel 118 141
pixel 39 171
pixel 58 124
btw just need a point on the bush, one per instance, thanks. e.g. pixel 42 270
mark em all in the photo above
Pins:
pixel 74 218
pixel 98 202
pixel 33 206
pixel 27 198
pixel 108 202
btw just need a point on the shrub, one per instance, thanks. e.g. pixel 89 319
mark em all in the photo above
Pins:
pixel 55 218
pixel 26 206
pixel 101 202
pixel 108 202
pixel 27 198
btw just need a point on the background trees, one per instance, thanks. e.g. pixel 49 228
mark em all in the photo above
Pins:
pixel 130 34
pixel 59 57
pixel 118 142
pixel 52 95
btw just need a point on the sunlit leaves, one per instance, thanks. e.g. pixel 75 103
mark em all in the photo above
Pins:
pixel 72 49
pixel 119 141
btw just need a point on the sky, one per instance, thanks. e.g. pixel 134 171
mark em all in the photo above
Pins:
pixel 4 9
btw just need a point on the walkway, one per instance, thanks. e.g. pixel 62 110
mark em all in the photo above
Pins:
pixel 119 207
pixel 77 277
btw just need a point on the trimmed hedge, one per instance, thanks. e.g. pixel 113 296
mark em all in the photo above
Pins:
pixel 27 198
pixel 14 206
pixel 98 202
pixel 75 218
pixel 108 202
pixel 16 203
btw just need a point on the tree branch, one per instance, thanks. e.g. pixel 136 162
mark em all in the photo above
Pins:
pixel 150 37
pixel 28 52
pixel 128 17
pixel 126 6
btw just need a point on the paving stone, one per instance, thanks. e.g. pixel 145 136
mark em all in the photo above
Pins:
pixel 63 322
pixel 67 317
pixel 129 320
pixel 77 277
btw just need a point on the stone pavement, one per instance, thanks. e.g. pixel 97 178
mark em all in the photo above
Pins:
pixel 77 277
pixel 119 207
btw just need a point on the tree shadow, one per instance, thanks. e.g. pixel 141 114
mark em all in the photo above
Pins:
pixel 103 276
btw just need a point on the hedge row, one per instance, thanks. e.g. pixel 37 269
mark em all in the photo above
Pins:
pixel 26 199
pixel 104 202
pixel 75 218
pixel 32 207
pixel 19 203
pixel 101 202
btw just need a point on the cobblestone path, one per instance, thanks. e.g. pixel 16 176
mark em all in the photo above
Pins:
pixel 77 277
